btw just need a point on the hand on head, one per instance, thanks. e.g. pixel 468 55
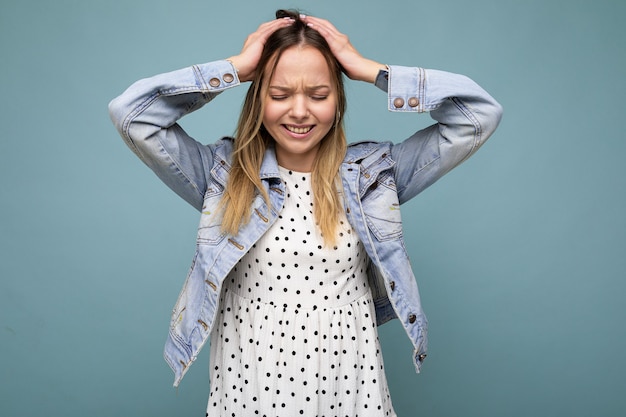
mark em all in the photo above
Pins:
pixel 246 61
pixel 355 66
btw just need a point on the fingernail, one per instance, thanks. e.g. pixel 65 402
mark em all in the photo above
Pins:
pixel 302 16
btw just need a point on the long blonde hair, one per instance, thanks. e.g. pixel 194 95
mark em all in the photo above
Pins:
pixel 252 139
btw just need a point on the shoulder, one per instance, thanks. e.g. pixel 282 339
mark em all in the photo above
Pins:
pixel 372 157
pixel 367 152
pixel 358 151
pixel 223 148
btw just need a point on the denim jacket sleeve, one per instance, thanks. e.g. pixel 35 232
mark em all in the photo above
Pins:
pixel 466 116
pixel 146 114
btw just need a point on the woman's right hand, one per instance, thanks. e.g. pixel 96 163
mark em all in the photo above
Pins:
pixel 247 60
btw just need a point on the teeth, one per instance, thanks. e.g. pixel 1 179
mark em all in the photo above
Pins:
pixel 299 130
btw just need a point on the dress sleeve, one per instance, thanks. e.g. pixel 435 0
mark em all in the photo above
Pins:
pixel 146 116
pixel 466 116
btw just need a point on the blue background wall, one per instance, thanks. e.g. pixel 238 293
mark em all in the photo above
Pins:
pixel 520 253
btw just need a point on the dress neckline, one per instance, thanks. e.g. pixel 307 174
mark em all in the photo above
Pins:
pixel 285 171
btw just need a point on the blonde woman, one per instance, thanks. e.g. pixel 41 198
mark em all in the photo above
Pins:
pixel 300 254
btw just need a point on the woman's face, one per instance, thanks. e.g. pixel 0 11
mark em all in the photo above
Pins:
pixel 300 106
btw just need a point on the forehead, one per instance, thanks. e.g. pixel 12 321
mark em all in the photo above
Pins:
pixel 301 65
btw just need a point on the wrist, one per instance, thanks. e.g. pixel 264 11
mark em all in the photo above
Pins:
pixel 239 66
pixel 372 71
pixel 233 64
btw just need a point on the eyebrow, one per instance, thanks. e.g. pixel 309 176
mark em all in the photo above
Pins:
pixel 289 89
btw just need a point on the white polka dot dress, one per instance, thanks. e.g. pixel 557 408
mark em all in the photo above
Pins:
pixel 296 332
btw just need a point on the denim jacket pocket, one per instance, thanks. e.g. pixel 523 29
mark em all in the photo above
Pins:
pixel 382 210
pixel 384 229
pixel 210 228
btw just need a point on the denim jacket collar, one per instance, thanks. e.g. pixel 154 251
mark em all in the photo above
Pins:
pixel 371 157
pixel 269 165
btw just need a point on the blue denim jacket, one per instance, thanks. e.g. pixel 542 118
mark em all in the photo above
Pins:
pixel 377 178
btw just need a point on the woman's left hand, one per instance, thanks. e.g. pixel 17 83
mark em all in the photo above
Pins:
pixel 355 65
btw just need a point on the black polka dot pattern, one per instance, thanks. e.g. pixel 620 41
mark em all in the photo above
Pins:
pixel 296 332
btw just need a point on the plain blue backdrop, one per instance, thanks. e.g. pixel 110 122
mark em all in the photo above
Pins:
pixel 520 253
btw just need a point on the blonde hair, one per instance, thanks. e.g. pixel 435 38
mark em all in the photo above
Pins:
pixel 252 139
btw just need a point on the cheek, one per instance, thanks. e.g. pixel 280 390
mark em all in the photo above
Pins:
pixel 270 113
pixel 327 113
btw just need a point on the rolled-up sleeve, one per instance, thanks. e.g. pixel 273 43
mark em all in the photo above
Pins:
pixel 466 117
pixel 146 116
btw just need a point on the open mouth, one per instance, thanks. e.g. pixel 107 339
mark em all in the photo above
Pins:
pixel 300 130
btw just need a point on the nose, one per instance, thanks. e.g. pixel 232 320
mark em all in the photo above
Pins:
pixel 299 109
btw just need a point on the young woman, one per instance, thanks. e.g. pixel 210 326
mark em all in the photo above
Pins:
pixel 299 249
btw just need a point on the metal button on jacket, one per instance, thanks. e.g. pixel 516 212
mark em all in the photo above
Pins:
pixel 214 82
pixel 413 102
pixel 412 318
pixel 398 102
pixel 228 77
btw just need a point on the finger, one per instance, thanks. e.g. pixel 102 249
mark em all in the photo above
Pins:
pixel 266 29
pixel 323 24
pixel 246 61
pixel 336 40
pixel 270 27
